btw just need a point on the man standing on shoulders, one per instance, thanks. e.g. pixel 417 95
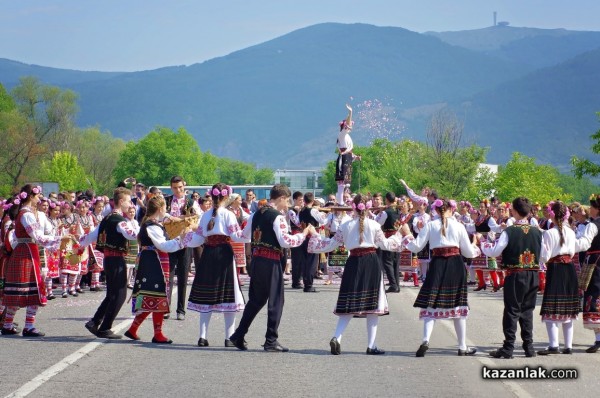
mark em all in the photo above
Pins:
pixel 179 205
pixel 111 238
pixel 520 246
pixel 268 230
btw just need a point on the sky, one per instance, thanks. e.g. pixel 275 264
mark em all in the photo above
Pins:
pixel 133 35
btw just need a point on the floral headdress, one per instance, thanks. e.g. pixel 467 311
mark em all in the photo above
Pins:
pixel 551 213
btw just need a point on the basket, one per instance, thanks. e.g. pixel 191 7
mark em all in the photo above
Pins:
pixel 585 276
pixel 176 226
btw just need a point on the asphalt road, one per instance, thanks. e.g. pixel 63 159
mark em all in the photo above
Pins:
pixel 69 362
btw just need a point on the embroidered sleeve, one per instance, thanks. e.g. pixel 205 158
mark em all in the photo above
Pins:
pixel 494 249
pixel 391 244
pixel 467 249
pixel 242 235
pixel 294 218
pixel 585 242
pixel 160 241
pixel 128 230
pixel 320 217
pixel 34 230
pixel 419 243
pixel 281 232
pixel 321 244
pixel 381 217
pixel 194 238
pixel 90 238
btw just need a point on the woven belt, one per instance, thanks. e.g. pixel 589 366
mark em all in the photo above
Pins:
pixel 25 240
pixel 445 251
pixel 114 253
pixel 589 253
pixel 147 248
pixel 362 251
pixel 561 259
pixel 264 252
pixel 215 240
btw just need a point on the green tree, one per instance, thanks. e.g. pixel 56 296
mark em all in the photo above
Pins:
pixel 583 167
pixel 235 172
pixel 521 176
pixel 164 153
pixel 66 170
pixel 580 189
pixel 482 186
pixel 98 153
pixel 6 102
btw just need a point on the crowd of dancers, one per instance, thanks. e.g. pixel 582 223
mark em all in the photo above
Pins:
pixel 522 248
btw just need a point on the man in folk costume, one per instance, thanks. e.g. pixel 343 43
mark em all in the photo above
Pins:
pixel 179 205
pixel 111 238
pixel 343 164
pixel 520 246
pixel 296 252
pixel 388 219
pixel 268 230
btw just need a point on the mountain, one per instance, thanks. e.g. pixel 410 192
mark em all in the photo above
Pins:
pixel 548 114
pixel 11 71
pixel 531 48
pixel 278 103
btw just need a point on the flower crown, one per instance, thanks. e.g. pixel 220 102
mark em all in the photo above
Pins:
pixel 552 215
pixel 216 192
pixel 362 206
pixel 593 197
pixel 486 202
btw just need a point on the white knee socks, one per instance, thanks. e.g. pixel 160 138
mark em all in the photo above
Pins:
pixel 372 320
pixel 339 196
pixel 229 323
pixel 427 329
pixel 568 332
pixel 460 326
pixel 204 321
pixel 343 321
pixel 552 328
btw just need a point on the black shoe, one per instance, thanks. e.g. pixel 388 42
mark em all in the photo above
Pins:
pixel 167 316
pixel 202 342
pixel 567 351
pixel 549 351
pixel 311 290
pixel 468 352
pixel 168 341
pixel 92 327
pixel 422 349
pixel 374 351
pixel 495 289
pixel 336 349
pixel 228 343
pixel 51 297
pixel 484 287
pixel 530 351
pixel 297 286
pixel 275 348
pixel 501 353
pixel 33 332
pixel 73 293
pixel 129 335
pixel 9 332
pixel 593 348
pixel 108 334
pixel 240 344
pixel 393 290
pixel 80 291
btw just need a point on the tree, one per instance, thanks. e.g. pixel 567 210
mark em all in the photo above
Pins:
pixel 66 170
pixel 163 153
pixel 234 172
pixel 40 124
pixel 521 176
pixel 583 167
pixel 580 189
pixel 7 104
pixel 98 153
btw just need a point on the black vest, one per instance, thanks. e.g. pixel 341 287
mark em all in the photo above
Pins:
pixel 109 237
pixel 306 218
pixel 390 222
pixel 143 236
pixel 523 249
pixel 596 241
pixel 263 234
pixel 483 227
pixel 188 206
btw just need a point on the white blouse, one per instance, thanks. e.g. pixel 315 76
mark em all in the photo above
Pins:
pixel 225 223
pixel 36 232
pixel 456 236
pixel 551 246
pixel 344 141
pixel 159 240
pixel 349 235
pixel 335 221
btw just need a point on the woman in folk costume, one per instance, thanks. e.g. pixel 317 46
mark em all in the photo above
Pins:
pixel 486 225
pixel 234 205
pixel 85 222
pixel 152 271
pixel 343 164
pixel 443 295
pixel 503 220
pixel 216 287
pixel 96 258
pixel 408 261
pixel 581 215
pixel 132 248
pixel 589 279
pixel 23 286
pixel 68 270
pixel 7 244
pixel 466 212
pixel 53 257
pixel 561 303
pixel 362 293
